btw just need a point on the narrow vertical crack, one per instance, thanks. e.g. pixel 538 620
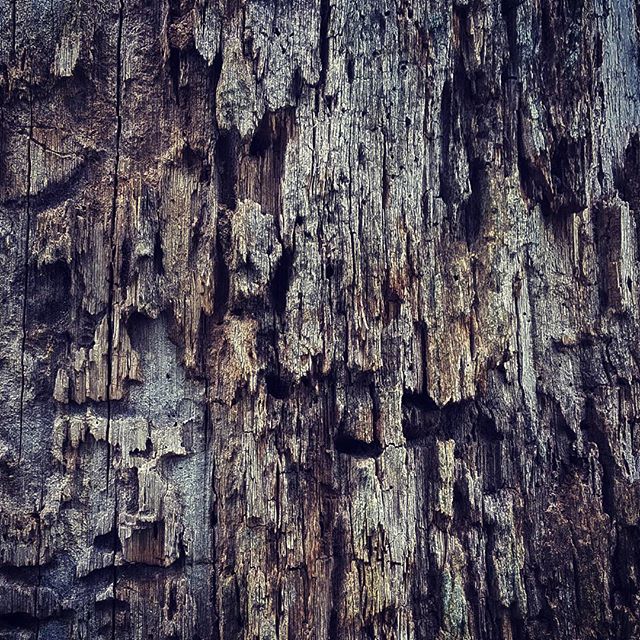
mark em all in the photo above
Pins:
pixel 25 288
pixel 208 515
pixel 36 596
pixel 114 575
pixel 211 515
pixel 110 318
pixel 323 45
pixel 13 27
pixel 325 14
pixel 112 231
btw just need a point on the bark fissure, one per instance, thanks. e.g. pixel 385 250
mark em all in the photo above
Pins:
pixel 13 28
pixel 110 314
pixel 112 232
pixel 25 289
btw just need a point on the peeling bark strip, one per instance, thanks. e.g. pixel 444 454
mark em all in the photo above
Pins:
pixel 319 319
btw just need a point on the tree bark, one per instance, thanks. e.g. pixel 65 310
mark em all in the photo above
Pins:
pixel 319 319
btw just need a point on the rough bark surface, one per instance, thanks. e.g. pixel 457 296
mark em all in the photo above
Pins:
pixel 319 319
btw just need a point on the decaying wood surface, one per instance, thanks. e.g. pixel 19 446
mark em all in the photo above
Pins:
pixel 319 319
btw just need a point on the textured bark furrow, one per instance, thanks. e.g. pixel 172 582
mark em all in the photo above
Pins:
pixel 319 319
pixel 25 290
pixel 110 316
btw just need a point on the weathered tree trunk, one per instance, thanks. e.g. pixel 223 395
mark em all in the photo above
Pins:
pixel 320 319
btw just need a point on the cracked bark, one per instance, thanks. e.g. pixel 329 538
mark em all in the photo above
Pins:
pixel 319 319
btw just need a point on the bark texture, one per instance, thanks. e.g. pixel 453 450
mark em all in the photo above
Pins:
pixel 319 319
